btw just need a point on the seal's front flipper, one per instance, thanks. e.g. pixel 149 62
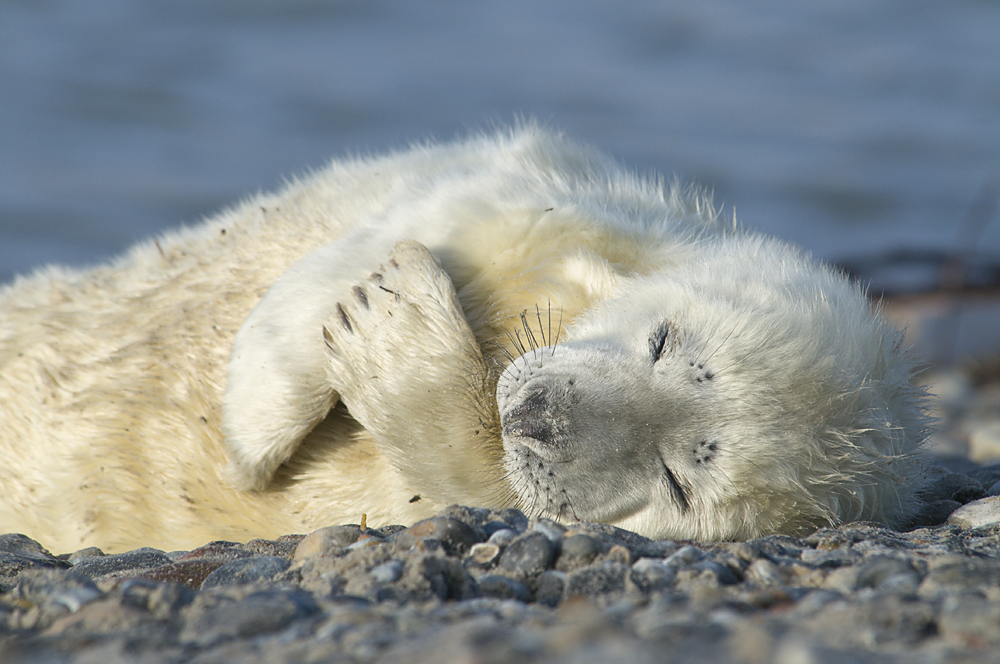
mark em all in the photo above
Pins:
pixel 406 364
pixel 279 386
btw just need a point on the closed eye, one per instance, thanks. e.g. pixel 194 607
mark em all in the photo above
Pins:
pixel 658 340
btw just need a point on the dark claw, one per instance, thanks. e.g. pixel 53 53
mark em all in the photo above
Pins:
pixel 362 296
pixel 344 320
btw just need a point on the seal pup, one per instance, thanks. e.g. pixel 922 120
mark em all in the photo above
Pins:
pixel 511 320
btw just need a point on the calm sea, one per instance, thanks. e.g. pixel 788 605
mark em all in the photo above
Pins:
pixel 853 127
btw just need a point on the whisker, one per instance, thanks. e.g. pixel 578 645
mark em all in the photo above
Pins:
pixel 558 328
pixel 527 330
pixel 541 327
pixel 723 342
pixel 548 317
pixel 744 356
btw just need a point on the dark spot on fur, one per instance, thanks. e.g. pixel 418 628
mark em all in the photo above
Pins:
pixel 414 499
pixel 705 451
pixel 680 495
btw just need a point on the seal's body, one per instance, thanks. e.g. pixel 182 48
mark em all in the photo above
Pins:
pixel 512 320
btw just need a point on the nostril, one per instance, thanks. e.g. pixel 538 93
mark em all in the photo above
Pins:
pixel 535 405
pixel 544 431
pixel 532 418
pixel 537 400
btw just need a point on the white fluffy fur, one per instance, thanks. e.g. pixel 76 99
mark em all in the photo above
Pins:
pixel 188 391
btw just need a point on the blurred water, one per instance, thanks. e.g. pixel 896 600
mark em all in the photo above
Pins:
pixel 847 126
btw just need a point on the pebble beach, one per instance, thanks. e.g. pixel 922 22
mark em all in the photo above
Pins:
pixel 474 585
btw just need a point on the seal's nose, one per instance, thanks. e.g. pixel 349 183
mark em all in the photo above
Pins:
pixel 532 418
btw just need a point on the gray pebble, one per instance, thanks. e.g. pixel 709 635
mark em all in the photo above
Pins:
pixel 977 514
pixel 684 556
pixel 529 554
pixel 554 531
pixel 94 566
pixel 577 551
pixel 501 587
pixel 503 537
pixel 484 554
pixel 259 613
pixel 550 587
pixel 456 537
pixel 955 486
pixel 19 553
pixel 721 574
pixel 246 570
pixel 892 574
pixel 24 547
pixel 597 580
pixel 650 574
pixel 387 572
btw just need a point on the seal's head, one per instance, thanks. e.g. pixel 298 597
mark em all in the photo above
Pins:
pixel 718 401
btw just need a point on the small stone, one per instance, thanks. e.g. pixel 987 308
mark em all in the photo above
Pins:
pixel 514 518
pixel 830 559
pixel 387 572
pixel 163 600
pixel 936 512
pixel 529 555
pixel 500 587
pixel 986 475
pixel 190 573
pixel 550 587
pixel 246 570
pixel 25 547
pixel 597 580
pixel 281 548
pixel 650 574
pixel 554 531
pixel 259 613
pixel 503 537
pixel 218 549
pixel 19 553
pixel 484 554
pixel 577 551
pixel 494 526
pixel 455 536
pixel 886 573
pixel 954 486
pixel 765 573
pixel 977 514
pixel 969 618
pixel 54 588
pixel 685 556
pixel 139 559
pixel 326 540
pixel 959 572
pixel 88 552
pixel 721 574
pixel 619 554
